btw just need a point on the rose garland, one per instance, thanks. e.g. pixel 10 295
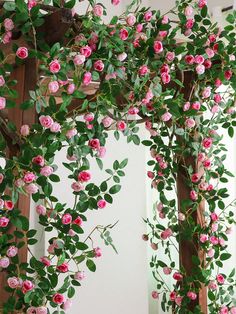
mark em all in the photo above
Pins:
pixel 140 69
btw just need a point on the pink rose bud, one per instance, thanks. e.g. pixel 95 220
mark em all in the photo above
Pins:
pixel 46 171
pixel 77 186
pixel 2 81
pixel 22 52
pixel 167 270
pixel 139 28
pixel 148 16
pixel 63 268
pixel 158 47
pixel 67 305
pixel 41 310
pixel 202 3
pixel 101 203
pixel 200 69
pixel 84 176
pixel 71 133
pixel 27 286
pixel 66 219
pixel 2 103
pixel 211 253
pixel 101 152
pixel 41 210
pixel 166 117
pixel 115 2
pixel 80 275
pixel 192 295
pixel 79 59
pixel 8 24
pixel 4 221
pixel 188 11
pixel 46 261
pixel 121 125
pixel 123 34
pixel 25 130
pixel 58 298
pixel 177 276
pixel 203 238
pixel 87 78
pixel 97 252
pixel 155 295
pixel 220 279
pixel 39 160
pixel 99 66
pixel 78 221
pixel 190 123
pixel 54 66
pixel 107 122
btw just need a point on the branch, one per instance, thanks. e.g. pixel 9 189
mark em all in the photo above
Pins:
pixel 10 136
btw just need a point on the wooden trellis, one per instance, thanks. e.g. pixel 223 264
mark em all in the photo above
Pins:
pixel 56 24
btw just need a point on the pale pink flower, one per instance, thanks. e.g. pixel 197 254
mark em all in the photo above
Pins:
pixel 2 81
pixel 25 130
pixel 86 51
pixel 54 66
pixel 2 103
pixel 12 251
pixel 79 59
pixel 13 282
pixel 211 253
pixel 80 275
pixel 130 19
pixel 188 11
pixel 158 47
pixel 155 295
pixel 97 252
pixel 166 117
pixel 41 210
pixel 77 186
pixel 46 171
pixel 55 127
pixel 67 305
pixel 98 10
pixel 8 24
pixel 4 262
pixel 46 121
pixel 123 34
pixel 53 86
pixel 41 310
pixel 200 69
pixel 192 295
pixel 29 177
pixel 203 238
pixel 190 123
pixel 167 270
pixel 206 93
pixel 87 78
pixel 71 133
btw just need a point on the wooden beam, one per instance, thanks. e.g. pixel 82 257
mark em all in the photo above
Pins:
pixel 26 76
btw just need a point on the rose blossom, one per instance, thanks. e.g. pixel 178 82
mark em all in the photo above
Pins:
pixel 39 160
pixel 177 276
pixel 78 221
pixel 94 143
pixel 45 260
pixel 27 286
pixel 77 186
pixel 71 233
pixel 63 268
pixel 55 127
pixel 12 251
pixel 22 52
pixel 41 310
pixel 130 19
pixel 220 279
pixel 29 177
pixel 79 59
pixel 84 176
pixel 41 210
pixel 170 56
pixel 202 3
pixel 224 310
pixel 58 298
pixel 46 171
pixel 4 262
pixel 233 310
pixel 173 295
pixel 143 70
pixel 98 10
pixel 158 47
pixel 189 59
pixel 193 195
pixel 46 121
pixel 188 11
pixel 167 270
pixel 9 205
pixel 228 74
pixel 165 77
pixel 87 78
pixel 214 240
pixel 13 282
pixel 195 178
pixel 70 133
pixel 2 103
pixel 107 122
pixel 4 222
pixel 214 217
pixel 181 216
pixel 207 142
pixel 89 117
pixel 190 123
pixel 67 305
pixel 186 106
pixel 54 66
pixel 189 24
pixel 123 34
pixel 211 253
pixel 206 93
pixel 8 24
pixel 166 234
pixel 148 16
pixel 121 125
pixel 2 81
pixel 97 252
pixel 203 238
pixel 99 65
pixel 30 5
pixel 53 87
pixel 66 219
pixel 192 295
pixel 212 285
pixel 115 2
pixel 80 275
pixel 139 28
pixel 166 117
pixel 122 56
pixel 155 295
pixel 200 69
pixel 101 203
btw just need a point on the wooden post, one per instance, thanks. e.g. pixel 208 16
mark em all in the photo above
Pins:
pixel 188 248
pixel 26 76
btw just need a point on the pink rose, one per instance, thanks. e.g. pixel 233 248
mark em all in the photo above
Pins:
pixel 101 152
pixel 101 203
pixel 143 70
pixel 86 51
pixel 207 164
pixel 67 305
pixel 202 3
pixel 211 253
pixel 165 77
pixel 87 78
pixel 220 279
pixel 173 295
pixel 177 276
pixel 214 217
pixel 63 268
pixel 46 171
pixel 190 123
pixel 84 176
pixel 4 221
pixel 78 221
pixel 200 69
pixel 189 59
pixel 170 56
pixel 186 106
pixel 77 186
pixel 53 87
pixel 89 117
pixel 99 65
pixel 189 24
pixel 80 275
pixel 25 130
pixel 41 210
pixel 54 66
pixel 228 74
pixel 207 142
pixel 71 133
pixel 45 260
pixel 8 24
pixel 46 121
pixel 58 298
pixel 233 310
pixel 2 81
pixel 39 160
pixel 97 252
pixel 121 125
pixel 22 52
pixel 71 233
pixel 218 83
pixel 167 270
pixel 2 103
pixel 148 16
pixel 130 19
pixel 123 34
pixel 195 177
pixel 206 92
pixel 31 4
pixel 203 238
pixel 188 11
pixel 214 240
pixel 178 300
pixel 122 56
pixel 193 195
pixel 27 286
pixel 4 262
pixel 214 227
pixel 41 310
pixel 158 47
pixel 79 59
pixel 166 117
pixel 66 219
pixel 107 122
pixel 13 282
pixel 12 251
pixel 196 105
pixel 29 177
pixel 55 127
pixel 166 234
pixel 9 205
pixel 212 285
pixel 192 295
pixel 139 28
pixel 98 10
pixel 155 295
pixel 115 2
pixel 224 310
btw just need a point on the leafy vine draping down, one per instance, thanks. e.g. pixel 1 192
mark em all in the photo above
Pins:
pixel 140 68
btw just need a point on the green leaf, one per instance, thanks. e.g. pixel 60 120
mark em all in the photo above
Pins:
pixel 100 163
pixel 124 163
pixel 54 178
pixel 27 104
pixel 231 131
pixel 115 189
pixel 225 256
pixel 91 265
pixel 9 6
pixel 71 292
pixel 81 246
